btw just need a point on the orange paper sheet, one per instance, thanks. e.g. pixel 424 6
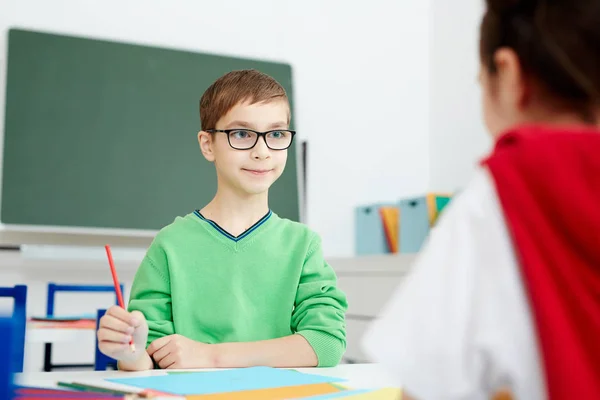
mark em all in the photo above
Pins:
pixel 289 392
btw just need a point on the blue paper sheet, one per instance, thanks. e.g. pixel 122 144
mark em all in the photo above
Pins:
pixel 233 380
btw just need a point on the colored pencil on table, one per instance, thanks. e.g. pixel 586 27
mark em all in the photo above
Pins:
pixel 27 393
pixel 87 387
pixel 84 387
pixel 117 285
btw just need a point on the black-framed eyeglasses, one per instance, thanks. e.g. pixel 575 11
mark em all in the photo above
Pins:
pixel 245 139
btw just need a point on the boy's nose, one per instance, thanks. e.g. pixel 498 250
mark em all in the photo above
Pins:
pixel 260 150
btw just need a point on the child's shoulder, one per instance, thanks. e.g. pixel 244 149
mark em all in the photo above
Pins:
pixel 181 227
pixel 296 231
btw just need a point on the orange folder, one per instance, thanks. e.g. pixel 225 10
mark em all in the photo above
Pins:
pixel 390 217
pixel 289 392
pixel 435 203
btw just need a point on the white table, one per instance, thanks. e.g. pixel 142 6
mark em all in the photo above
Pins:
pixel 357 376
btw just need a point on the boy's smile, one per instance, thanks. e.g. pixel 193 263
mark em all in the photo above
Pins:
pixel 258 172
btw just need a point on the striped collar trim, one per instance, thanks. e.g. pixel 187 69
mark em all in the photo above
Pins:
pixel 229 235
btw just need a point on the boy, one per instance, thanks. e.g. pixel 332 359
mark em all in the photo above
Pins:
pixel 506 294
pixel 232 284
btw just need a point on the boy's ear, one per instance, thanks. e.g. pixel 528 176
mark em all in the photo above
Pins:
pixel 205 140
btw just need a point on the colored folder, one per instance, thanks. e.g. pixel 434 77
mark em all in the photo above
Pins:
pixel 414 224
pixel 370 236
pixel 435 204
pixel 390 217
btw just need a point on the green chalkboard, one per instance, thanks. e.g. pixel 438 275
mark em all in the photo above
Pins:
pixel 103 134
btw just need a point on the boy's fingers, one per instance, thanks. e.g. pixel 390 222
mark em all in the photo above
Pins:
pixel 136 318
pixel 115 324
pixel 161 353
pixel 120 313
pixel 158 344
pixel 107 335
pixel 167 361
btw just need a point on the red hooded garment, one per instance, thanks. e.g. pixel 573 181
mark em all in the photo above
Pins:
pixel 548 183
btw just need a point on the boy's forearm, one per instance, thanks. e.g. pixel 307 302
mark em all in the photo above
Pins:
pixel 289 351
pixel 143 363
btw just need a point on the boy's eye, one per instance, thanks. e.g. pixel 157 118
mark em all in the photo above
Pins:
pixel 278 134
pixel 241 134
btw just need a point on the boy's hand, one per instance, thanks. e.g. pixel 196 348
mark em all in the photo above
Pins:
pixel 117 328
pixel 179 352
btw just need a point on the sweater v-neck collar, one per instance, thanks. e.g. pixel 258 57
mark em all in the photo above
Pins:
pixel 235 239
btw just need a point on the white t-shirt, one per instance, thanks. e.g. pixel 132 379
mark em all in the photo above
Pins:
pixel 460 326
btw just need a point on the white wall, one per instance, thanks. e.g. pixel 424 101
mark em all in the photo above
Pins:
pixel 363 105
pixel 361 88
pixel 457 138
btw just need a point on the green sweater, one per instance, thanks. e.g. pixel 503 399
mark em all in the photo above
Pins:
pixel 198 281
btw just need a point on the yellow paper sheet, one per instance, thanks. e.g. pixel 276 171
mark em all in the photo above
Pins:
pixel 381 394
pixel 289 392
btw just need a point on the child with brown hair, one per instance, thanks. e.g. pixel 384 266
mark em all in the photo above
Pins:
pixel 506 293
pixel 232 284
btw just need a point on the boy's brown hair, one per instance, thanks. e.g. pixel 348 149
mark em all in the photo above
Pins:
pixel 236 87
pixel 558 44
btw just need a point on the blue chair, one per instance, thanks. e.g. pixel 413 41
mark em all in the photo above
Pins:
pixel 102 362
pixel 53 289
pixel 7 331
pixel 19 316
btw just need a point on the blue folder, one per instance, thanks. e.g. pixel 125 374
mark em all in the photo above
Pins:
pixel 414 224
pixel 369 234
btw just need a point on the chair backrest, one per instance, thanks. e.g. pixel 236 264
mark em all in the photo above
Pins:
pixel 53 288
pixel 102 362
pixel 19 318
pixel 7 329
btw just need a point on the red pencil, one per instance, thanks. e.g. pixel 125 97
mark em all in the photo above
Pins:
pixel 117 285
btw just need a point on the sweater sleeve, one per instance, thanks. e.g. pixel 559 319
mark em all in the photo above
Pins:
pixel 151 293
pixel 320 307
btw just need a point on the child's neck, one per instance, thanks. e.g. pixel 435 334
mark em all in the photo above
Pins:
pixel 560 117
pixel 236 213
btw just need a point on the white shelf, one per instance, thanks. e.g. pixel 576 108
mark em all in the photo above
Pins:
pixel 15 260
pixel 19 236
pixel 395 264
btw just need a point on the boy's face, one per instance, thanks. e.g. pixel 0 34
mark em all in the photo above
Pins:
pixel 251 171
